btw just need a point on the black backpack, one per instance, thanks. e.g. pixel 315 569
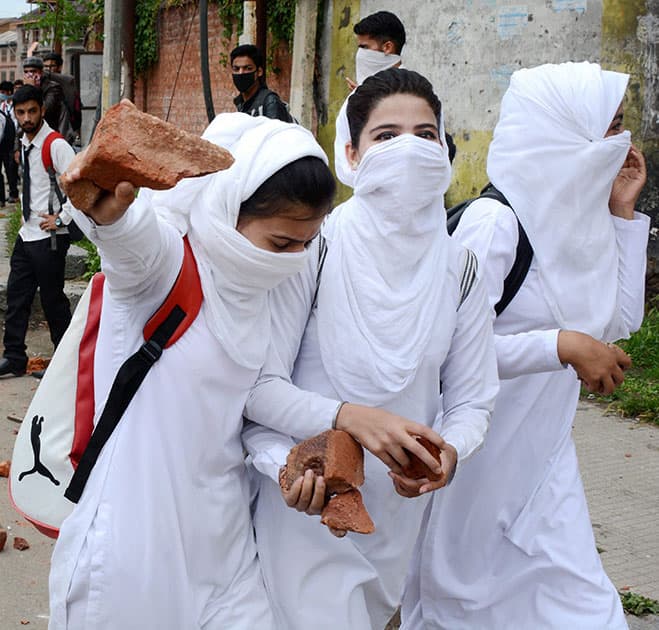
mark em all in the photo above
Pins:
pixel 8 135
pixel 523 255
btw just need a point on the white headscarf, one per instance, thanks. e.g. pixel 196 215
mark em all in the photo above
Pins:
pixel 550 159
pixel 367 63
pixel 235 274
pixel 381 291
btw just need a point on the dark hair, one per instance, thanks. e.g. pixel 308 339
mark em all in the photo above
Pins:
pixel 307 181
pixel 383 26
pixel 28 93
pixel 251 51
pixel 18 82
pixel 53 56
pixel 7 86
pixel 379 86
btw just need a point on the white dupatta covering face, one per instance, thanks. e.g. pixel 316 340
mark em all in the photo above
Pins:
pixel 236 275
pixel 550 159
pixel 367 63
pixel 380 297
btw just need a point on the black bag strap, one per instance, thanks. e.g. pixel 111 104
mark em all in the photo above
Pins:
pixel 322 254
pixel 517 274
pixel 125 385
pixel 523 254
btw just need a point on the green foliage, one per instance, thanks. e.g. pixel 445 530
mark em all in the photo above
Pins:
pixel 93 262
pixel 637 604
pixel 281 20
pixel 281 23
pixel 231 15
pixel 12 227
pixel 68 21
pixel 638 396
pixel 146 34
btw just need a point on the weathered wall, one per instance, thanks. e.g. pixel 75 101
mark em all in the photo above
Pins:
pixel 469 49
pixel 181 100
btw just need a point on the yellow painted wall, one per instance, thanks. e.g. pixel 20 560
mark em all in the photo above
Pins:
pixel 345 14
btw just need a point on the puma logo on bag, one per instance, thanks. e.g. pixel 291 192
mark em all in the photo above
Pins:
pixel 35 438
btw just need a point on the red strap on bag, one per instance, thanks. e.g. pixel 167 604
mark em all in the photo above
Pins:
pixel 46 157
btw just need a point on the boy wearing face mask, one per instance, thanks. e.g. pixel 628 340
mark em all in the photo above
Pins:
pixel 255 98
pixel 380 40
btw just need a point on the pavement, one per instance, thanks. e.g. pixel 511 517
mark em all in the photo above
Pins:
pixel 619 461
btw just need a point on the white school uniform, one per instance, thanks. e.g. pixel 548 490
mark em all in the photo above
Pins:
pixel 510 545
pixel 314 579
pixel 162 537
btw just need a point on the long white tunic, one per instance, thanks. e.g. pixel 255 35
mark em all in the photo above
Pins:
pixel 315 580
pixel 509 545
pixel 162 538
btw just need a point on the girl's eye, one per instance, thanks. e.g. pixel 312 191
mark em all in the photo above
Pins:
pixel 427 135
pixel 385 135
pixel 280 246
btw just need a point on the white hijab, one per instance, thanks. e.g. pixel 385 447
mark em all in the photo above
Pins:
pixel 367 63
pixel 380 297
pixel 550 159
pixel 236 275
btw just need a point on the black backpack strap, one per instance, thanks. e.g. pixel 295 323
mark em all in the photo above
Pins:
pixel 517 274
pixel 523 254
pixel 322 254
pixel 125 385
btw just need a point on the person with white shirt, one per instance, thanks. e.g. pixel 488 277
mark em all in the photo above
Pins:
pixel 39 254
pixel 398 320
pixel 510 544
pixel 162 536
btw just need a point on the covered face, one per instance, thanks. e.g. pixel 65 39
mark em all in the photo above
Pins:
pixel 555 159
pixel 237 269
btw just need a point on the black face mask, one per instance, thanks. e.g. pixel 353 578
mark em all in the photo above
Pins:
pixel 244 81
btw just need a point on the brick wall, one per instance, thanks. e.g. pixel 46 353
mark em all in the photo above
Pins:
pixel 157 93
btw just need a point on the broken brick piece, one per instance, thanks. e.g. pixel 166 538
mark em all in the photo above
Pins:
pixel 4 468
pixel 3 538
pixel 333 454
pixel 346 511
pixel 21 544
pixel 130 145
pixel 417 469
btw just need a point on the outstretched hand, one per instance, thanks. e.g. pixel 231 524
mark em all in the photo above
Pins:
pixel 110 206
pixel 387 435
pixel 599 366
pixel 628 185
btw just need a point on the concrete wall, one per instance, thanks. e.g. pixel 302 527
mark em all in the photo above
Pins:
pixel 469 49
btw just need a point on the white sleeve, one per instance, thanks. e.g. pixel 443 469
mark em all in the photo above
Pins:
pixel 140 254
pixel 632 240
pixel 469 376
pixel 490 230
pixel 274 401
pixel 267 448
